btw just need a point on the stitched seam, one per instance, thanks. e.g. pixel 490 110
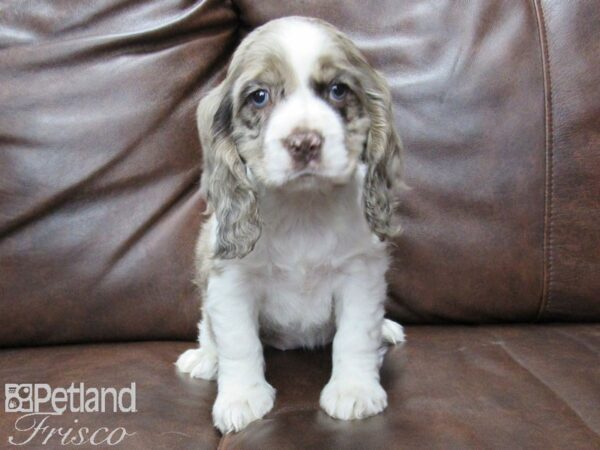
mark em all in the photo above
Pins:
pixel 548 243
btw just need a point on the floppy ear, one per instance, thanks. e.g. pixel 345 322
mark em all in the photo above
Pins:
pixel 382 155
pixel 224 183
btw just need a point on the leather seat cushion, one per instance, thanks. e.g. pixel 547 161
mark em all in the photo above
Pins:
pixel 448 387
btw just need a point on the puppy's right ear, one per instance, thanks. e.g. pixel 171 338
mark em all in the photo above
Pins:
pixel 225 184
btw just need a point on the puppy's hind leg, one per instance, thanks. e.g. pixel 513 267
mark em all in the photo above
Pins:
pixel 392 332
pixel 201 362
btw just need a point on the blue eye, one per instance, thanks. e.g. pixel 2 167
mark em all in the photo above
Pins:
pixel 338 91
pixel 259 98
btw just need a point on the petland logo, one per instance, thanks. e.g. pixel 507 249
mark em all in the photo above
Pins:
pixel 40 403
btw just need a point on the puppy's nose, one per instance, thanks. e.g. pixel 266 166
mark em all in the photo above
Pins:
pixel 304 145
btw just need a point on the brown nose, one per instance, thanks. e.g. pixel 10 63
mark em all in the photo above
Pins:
pixel 304 145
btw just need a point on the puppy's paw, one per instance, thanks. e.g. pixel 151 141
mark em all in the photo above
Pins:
pixel 234 410
pixel 199 363
pixel 392 332
pixel 351 399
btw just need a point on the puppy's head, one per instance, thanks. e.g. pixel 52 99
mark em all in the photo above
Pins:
pixel 300 108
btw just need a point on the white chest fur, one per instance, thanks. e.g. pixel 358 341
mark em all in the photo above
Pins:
pixel 300 261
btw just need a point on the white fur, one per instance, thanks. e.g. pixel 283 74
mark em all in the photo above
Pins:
pixel 303 109
pixel 303 43
pixel 316 275
pixel 393 333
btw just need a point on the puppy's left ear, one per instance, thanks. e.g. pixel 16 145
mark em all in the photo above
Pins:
pixel 382 155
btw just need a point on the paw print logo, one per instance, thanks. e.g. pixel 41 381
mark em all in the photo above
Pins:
pixel 18 397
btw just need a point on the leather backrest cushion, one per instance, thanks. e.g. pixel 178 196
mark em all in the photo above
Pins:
pixel 498 107
pixel 100 161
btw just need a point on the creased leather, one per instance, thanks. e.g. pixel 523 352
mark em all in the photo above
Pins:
pixel 99 165
pixel 496 387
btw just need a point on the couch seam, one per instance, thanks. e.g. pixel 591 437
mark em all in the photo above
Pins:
pixel 548 238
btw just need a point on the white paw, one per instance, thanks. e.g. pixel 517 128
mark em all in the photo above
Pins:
pixel 234 410
pixel 199 363
pixel 392 332
pixel 353 399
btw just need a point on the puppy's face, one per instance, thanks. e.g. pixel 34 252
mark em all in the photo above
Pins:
pixel 299 109
pixel 298 116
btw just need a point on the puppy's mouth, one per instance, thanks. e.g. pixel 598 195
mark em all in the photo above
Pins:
pixel 314 176
pixel 305 173
pixel 305 179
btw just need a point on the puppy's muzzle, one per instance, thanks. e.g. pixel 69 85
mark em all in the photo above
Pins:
pixel 304 146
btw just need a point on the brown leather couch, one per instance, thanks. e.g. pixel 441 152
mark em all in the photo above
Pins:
pixel 497 273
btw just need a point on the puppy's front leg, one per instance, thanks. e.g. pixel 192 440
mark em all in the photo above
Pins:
pixel 354 391
pixel 244 395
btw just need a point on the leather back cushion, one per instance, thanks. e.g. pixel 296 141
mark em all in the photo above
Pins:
pixel 100 165
pixel 496 102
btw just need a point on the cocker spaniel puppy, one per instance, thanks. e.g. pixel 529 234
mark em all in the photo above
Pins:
pixel 300 157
